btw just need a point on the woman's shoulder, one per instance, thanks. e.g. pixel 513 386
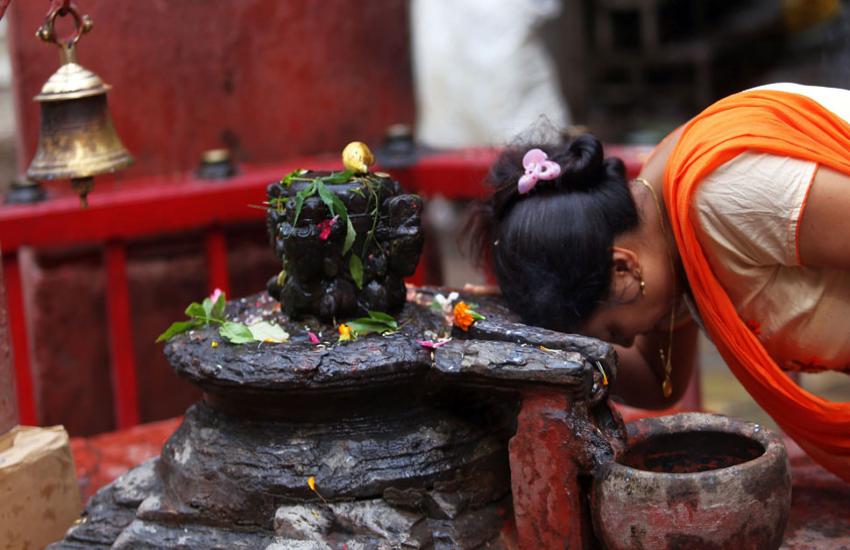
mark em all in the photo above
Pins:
pixel 836 100
pixel 751 206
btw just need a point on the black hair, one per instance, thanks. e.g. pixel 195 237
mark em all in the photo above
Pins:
pixel 550 249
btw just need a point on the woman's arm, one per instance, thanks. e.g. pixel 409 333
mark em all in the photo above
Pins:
pixel 641 371
pixel 823 238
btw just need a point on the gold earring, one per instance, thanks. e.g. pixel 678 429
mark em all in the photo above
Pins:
pixel 642 284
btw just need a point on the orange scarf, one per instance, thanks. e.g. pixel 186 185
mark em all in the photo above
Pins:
pixel 777 123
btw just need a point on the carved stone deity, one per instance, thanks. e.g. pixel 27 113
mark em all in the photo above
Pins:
pixel 346 240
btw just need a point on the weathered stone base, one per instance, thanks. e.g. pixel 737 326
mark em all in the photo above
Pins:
pixel 129 514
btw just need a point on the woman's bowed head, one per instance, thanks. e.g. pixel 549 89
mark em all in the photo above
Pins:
pixel 584 250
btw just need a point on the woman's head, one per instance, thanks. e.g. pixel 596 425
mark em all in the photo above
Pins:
pixel 551 248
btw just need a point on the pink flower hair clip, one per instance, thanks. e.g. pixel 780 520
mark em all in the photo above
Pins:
pixel 537 167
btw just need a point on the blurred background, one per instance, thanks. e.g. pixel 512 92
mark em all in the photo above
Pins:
pixel 273 80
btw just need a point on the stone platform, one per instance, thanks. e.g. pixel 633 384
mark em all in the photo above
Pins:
pixel 819 510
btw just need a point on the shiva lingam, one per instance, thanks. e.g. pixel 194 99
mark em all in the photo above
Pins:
pixel 439 433
pixel 359 237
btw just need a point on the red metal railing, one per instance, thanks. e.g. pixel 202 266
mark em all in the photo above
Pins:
pixel 158 206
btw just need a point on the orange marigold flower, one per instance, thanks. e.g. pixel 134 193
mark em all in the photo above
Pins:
pixel 345 333
pixel 464 315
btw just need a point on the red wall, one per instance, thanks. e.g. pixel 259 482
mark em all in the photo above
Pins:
pixel 268 78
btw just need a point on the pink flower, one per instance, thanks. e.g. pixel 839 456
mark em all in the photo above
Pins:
pixel 313 338
pixel 431 344
pixel 325 227
pixel 216 294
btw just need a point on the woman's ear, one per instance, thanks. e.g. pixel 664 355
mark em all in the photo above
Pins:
pixel 625 275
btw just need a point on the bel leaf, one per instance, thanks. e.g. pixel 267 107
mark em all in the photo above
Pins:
pixel 300 197
pixel 350 235
pixel 364 326
pixel 339 177
pixel 218 308
pixel 327 197
pixel 267 332
pixel 384 318
pixel 178 328
pixel 376 322
pixel 196 311
pixel 287 180
pixel 355 267
pixel 236 333
pixel 208 307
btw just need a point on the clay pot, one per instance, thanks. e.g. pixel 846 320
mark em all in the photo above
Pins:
pixel 695 481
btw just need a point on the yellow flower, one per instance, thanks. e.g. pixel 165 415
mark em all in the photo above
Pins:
pixel 345 334
pixel 311 483
pixel 464 316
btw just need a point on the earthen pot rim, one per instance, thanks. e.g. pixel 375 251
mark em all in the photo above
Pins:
pixel 645 429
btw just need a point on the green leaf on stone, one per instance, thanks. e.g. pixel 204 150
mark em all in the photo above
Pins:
pixel 382 317
pixel 287 179
pixel 208 307
pixel 218 308
pixel 196 311
pixel 178 328
pixel 376 322
pixel 236 333
pixel 364 326
pixel 355 267
pixel 327 197
pixel 267 332
pixel 300 197
pixel 338 177
pixel 350 235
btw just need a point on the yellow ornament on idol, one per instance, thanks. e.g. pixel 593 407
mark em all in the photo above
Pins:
pixel 357 157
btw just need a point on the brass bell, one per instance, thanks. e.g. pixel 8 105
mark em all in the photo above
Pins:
pixel 77 139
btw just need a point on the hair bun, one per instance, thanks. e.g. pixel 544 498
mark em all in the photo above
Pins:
pixel 582 163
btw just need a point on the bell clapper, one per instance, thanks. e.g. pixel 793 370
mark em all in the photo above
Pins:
pixel 83 187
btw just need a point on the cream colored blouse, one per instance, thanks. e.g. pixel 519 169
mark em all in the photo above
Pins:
pixel 749 211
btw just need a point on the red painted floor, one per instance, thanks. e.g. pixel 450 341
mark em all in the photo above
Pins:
pixel 102 458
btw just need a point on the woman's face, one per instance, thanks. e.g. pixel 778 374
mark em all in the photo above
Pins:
pixel 619 323
pixel 632 309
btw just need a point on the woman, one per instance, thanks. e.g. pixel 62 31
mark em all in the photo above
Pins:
pixel 738 221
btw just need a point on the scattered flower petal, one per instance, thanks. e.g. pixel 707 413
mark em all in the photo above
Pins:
pixel 325 227
pixel 311 483
pixel 313 338
pixel 213 344
pixel 345 333
pixel 431 344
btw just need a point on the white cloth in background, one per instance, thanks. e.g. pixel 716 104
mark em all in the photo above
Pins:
pixel 481 70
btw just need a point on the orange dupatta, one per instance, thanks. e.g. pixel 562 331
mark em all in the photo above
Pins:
pixel 783 124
